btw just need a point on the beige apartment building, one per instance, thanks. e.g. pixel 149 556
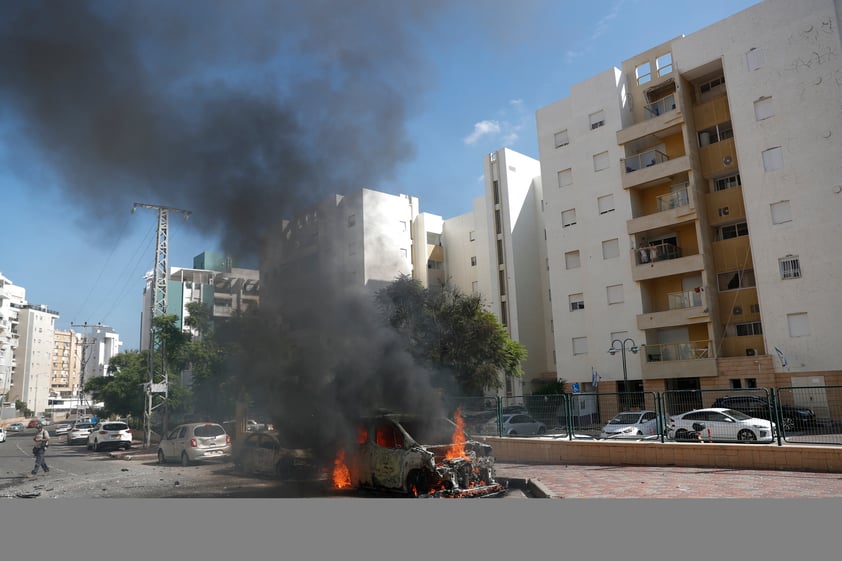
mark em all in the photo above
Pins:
pixel 692 203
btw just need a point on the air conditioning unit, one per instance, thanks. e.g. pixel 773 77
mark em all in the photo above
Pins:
pixel 751 352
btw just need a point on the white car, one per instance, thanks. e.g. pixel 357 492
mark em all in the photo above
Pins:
pixel 16 427
pixel 79 433
pixel 192 442
pixel 110 434
pixel 721 424
pixel 517 424
pixel 634 424
pixel 63 428
pixel 2 434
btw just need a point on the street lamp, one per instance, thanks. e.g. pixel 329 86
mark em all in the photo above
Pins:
pixel 613 350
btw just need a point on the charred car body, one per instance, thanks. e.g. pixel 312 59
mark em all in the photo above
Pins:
pixel 415 456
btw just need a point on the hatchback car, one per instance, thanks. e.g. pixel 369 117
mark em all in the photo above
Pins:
pixel 192 442
pixel 2 434
pixel 634 424
pixel 263 453
pixel 79 433
pixel 62 428
pixel 517 424
pixel 110 434
pixel 792 417
pixel 15 427
pixel 721 425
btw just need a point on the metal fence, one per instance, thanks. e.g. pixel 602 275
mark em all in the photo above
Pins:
pixel 806 415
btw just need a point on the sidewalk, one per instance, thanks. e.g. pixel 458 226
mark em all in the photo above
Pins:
pixel 631 482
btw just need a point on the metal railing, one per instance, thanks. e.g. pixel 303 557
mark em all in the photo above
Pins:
pixel 675 199
pixel 685 350
pixel 684 300
pixel 801 415
pixel 644 160
pixel 656 252
pixel 660 107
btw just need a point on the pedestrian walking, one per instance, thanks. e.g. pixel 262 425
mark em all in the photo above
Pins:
pixel 42 440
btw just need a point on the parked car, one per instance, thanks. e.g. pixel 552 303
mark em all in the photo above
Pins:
pixel 634 424
pixel 15 427
pixel 33 423
pixel 2 434
pixel 518 424
pixel 110 434
pixel 263 453
pixel 791 417
pixel 62 428
pixel 192 442
pixel 722 425
pixel 416 456
pixel 79 433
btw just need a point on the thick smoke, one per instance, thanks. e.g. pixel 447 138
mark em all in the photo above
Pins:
pixel 243 113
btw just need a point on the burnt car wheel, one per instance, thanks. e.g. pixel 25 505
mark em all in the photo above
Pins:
pixel 419 483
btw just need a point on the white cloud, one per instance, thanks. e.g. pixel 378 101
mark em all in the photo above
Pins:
pixel 602 25
pixel 481 129
pixel 516 103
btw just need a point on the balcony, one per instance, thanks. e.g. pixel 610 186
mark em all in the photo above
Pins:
pixel 657 252
pixel 685 308
pixel 652 167
pixel 688 359
pixel 644 159
pixel 665 210
pixel 661 260
pixel 660 107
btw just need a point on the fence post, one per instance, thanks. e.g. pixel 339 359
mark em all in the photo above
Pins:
pixel 659 412
pixel 499 412
pixel 773 403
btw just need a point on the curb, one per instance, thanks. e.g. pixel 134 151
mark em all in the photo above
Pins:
pixel 539 490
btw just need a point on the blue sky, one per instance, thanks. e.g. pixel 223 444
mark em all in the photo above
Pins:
pixel 469 76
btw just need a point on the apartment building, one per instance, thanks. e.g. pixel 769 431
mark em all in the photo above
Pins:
pixel 214 280
pixel 33 356
pixel 12 298
pixel 65 376
pixel 691 201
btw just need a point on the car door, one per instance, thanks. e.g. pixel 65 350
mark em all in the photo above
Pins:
pixel 719 426
pixel 523 424
pixel 265 453
pixel 171 444
pixel 649 423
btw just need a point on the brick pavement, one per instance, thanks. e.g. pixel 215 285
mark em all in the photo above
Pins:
pixel 631 482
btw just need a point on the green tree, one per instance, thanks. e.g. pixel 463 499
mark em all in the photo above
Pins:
pixel 122 391
pixel 213 392
pixel 454 334
pixel 21 406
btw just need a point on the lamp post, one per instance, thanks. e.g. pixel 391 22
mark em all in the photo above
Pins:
pixel 613 350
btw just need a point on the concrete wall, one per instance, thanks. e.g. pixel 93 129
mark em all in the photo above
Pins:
pixel 737 456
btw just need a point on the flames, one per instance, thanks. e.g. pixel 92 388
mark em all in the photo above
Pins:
pixel 457 449
pixel 341 475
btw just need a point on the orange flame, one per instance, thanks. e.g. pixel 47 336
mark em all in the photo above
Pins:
pixel 457 450
pixel 341 475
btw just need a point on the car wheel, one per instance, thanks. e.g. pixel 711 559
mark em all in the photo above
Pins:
pixel 512 433
pixel 96 445
pixel 681 434
pixel 746 434
pixel 418 483
pixel 161 458
pixel 542 430
pixel 185 461
pixel 788 424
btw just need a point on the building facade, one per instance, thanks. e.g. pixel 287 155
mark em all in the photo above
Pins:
pixel 691 200
pixel 33 357
pixel 12 298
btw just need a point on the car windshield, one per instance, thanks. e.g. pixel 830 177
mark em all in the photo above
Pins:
pixel 625 419
pixel 739 415
pixel 430 431
pixel 83 426
pixel 115 426
pixel 208 430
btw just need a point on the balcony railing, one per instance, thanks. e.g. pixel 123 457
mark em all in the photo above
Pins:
pixel 656 252
pixel 644 160
pixel 684 300
pixel 677 198
pixel 688 350
pixel 660 107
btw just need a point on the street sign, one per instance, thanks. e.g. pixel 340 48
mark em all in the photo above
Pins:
pixel 158 388
pixel 576 388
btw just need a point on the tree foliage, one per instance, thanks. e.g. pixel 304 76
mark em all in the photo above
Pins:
pixel 453 333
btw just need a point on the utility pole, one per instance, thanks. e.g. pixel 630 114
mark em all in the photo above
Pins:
pixel 86 342
pixel 158 308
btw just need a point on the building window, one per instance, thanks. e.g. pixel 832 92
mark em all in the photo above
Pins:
pixel 600 161
pixel 568 217
pixel 749 329
pixel 798 325
pixel 597 119
pixel 561 139
pixel 352 219
pixel 773 159
pixel 664 64
pixel 615 294
pixel 577 302
pixel 580 346
pixel 790 267
pixel 755 58
pixel 403 226
pixel 736 383
pixel 643 73
pixel 781 212
pixel 611 249
pixel 472 236
pixel 736 280
pixel 732 231
pixel 711 85
pixel 475 287
pixel 763 109
pixel 404 253
pixel 605 204
pixel 727 182
pixel 473 261
pixel 571 260
pixel 565 177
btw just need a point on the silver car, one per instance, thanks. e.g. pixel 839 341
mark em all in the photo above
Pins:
pixel 79 433
pixel 634 424
pixel 194 442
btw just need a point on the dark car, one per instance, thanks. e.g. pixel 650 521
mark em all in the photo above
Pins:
pixel 792 417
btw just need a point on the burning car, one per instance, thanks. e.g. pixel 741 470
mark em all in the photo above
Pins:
pixel 417 457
